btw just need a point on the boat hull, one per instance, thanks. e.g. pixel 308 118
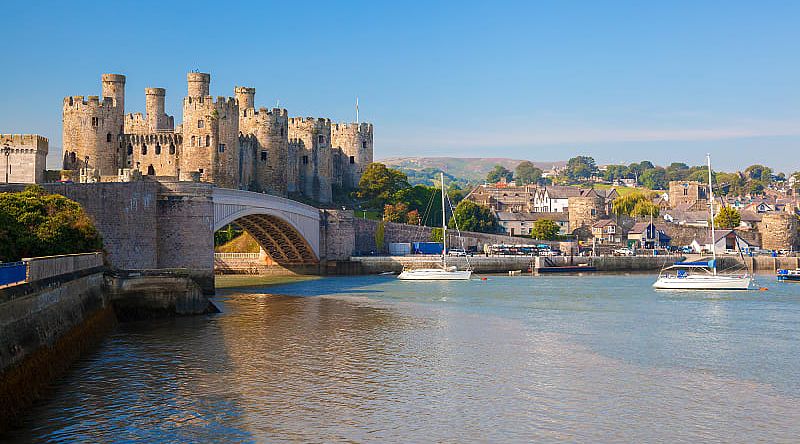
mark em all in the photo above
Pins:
pixel 434 275
pixel 703 283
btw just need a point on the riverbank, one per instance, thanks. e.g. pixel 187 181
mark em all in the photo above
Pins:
pixel 225 281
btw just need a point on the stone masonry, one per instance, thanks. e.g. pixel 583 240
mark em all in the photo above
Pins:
pixel 226 141
pixel 27 156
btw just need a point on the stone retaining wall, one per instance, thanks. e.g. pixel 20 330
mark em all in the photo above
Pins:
pixel 39 268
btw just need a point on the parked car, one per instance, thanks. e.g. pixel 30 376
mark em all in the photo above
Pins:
pixel 457 252
pixel 623 252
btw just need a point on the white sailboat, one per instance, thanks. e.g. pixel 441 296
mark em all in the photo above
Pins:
pixel 702 275
pixel 443 273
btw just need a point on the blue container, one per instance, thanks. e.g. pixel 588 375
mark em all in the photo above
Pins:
pixel 12 272
pixel 427 247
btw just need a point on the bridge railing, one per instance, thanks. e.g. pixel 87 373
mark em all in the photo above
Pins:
pixel 236 255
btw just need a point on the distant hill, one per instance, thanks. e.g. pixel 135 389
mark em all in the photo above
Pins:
pixel 467 169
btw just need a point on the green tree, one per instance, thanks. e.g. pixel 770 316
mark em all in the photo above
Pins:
pixel 379 184
pixel 498 173
pixel 677 171
pixel 526 173
pixel 644 208
pixel 437 235
pixel 727 217
pixel 654 179
pixel 581 167
pixel 626 205
pixel 470 216
pixel 760 173
pixel 34 223
pixel 545 229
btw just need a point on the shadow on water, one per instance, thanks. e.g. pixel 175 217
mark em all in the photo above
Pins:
pixel 354 285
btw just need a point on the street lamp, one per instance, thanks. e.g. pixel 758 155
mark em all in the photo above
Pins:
pixel 7 152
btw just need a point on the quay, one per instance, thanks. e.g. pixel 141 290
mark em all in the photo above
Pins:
pixel 62 306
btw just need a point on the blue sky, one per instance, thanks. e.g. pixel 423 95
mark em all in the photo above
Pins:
pixel 621 81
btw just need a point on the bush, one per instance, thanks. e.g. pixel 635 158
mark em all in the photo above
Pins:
pixel 34 223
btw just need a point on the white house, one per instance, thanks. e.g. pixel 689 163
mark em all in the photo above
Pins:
pixel 725 240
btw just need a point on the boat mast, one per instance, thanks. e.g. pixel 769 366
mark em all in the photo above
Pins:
pixel 444 225
pixel 711 198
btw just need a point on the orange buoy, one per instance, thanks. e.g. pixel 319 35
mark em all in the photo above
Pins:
pixel 763 289
pixel 484 279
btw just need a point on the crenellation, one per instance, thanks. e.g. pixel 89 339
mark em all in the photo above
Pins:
pixel 228 141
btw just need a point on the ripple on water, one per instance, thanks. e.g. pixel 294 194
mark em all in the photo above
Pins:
pixel 369 360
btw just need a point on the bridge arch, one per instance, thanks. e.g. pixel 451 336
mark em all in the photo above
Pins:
pixel 287 230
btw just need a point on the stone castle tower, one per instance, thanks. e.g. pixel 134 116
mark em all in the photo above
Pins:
pixel 93 128
pixel 585 210
pixel 226 141
pixel 779 231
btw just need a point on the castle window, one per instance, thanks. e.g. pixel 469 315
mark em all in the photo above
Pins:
pixel 172 148
pixel 144 149
pixel 263 156
pixel 108 137
pixel 192 144
pixel 305 160
pixel 95 121
pixel 321 139
pixel 364 144
pixel 130 149
pixel 352 159
pixel 200 171
pixel 221 147
pixel 200 124
pixel 158 149
pixel 685 192
pixel 281 131
pixel 151 171
pixel 208 140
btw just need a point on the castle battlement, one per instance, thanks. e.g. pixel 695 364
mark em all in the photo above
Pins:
pixel 228 141
pixel 88 102
pixel 307 120
pixel 352 126
pixel 24 139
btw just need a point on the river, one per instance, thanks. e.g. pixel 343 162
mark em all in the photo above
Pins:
pixel 598 358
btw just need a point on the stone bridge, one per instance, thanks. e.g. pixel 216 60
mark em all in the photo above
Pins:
pixel 148 224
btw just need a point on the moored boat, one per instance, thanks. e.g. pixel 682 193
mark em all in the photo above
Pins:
pixel 444 272
pixel 789 275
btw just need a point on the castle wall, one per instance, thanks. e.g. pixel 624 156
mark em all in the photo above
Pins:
pixel 270 129
pixel 224 141
pixel 584 211
pixel 154 154
pixel 356 143
pixel 315 165
pixel 779 231
pixel 27 158
pixel 91 133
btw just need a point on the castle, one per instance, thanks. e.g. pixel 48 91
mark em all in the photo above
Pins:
pixel 226 141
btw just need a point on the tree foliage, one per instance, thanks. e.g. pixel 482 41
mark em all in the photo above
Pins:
pixel 545 229
pixel 34 223
pixel 395 213
pixel 379 184
pixel 654 179
pixel 469 216
pixel 527 173
pixel 727 217
pixel 498 173
pixel 627 205
pixel 580 167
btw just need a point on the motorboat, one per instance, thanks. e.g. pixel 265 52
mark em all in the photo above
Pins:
pixel 789 275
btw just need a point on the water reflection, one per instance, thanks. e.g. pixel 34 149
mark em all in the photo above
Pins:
pixel 514 360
